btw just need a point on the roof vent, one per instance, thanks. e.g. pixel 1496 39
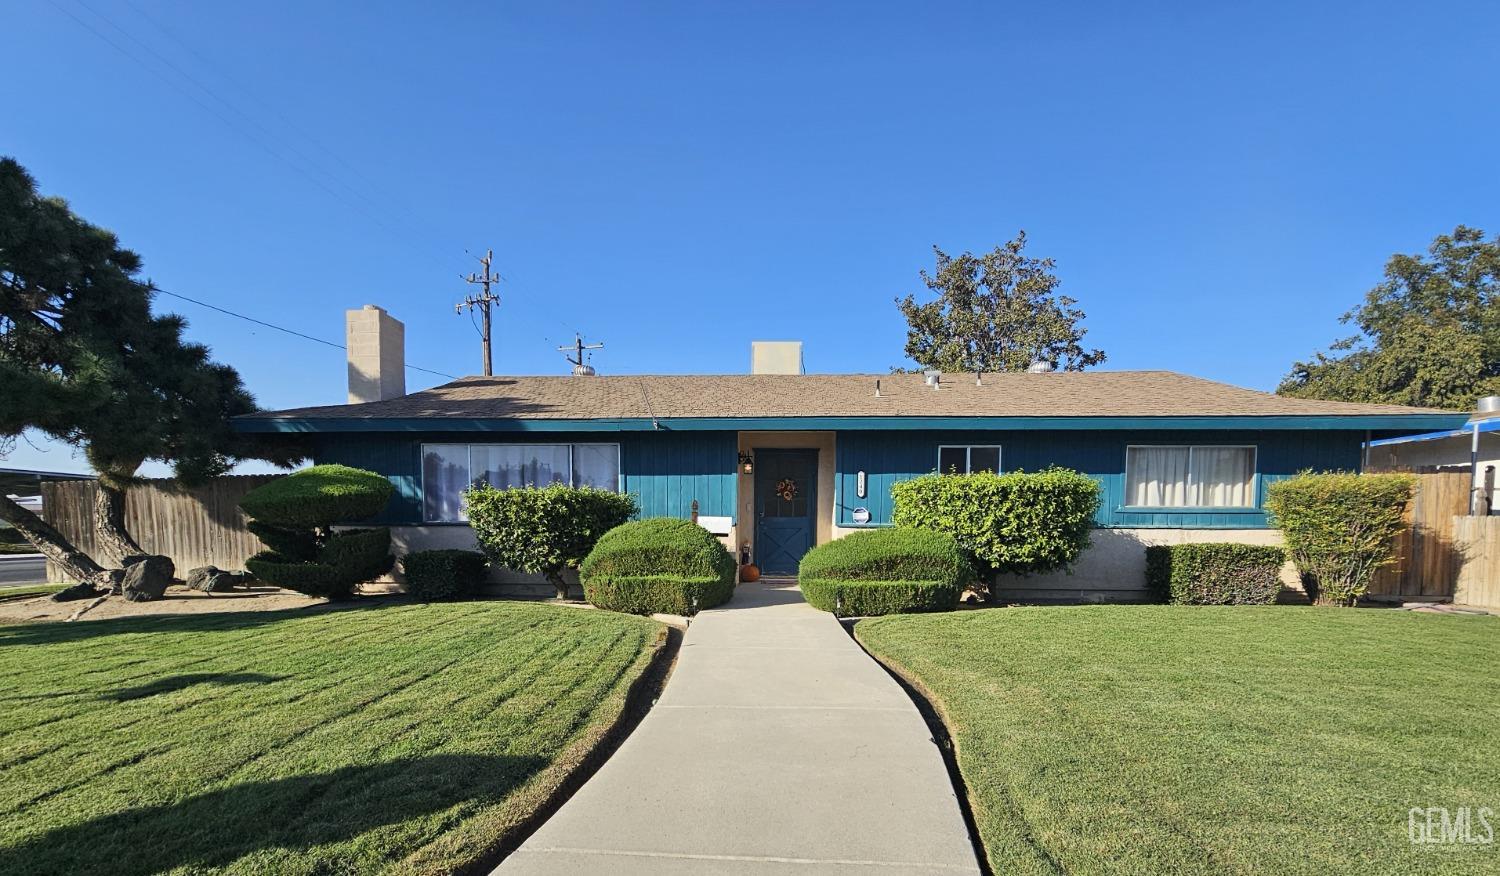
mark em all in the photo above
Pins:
pixel 933 378
pixel 1040 367
pixel 1487 407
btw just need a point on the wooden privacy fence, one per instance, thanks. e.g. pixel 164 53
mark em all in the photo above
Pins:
pixel 1478 542
pixel 1427 559
pixel 197 526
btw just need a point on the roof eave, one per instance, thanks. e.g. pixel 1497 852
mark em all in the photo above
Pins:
pixel 1373 422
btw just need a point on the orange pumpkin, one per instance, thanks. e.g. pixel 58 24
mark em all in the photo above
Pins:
pixel 749 572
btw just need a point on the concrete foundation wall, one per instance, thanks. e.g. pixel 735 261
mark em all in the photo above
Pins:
pixel 1114 568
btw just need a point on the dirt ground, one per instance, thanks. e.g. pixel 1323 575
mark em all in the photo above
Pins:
pixel 178 600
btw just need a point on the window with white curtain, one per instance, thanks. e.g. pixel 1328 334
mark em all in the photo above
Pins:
pixel 1190 476
pixel 449 469
pixel 968 458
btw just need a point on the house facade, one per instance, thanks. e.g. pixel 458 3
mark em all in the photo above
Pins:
pixel 778 462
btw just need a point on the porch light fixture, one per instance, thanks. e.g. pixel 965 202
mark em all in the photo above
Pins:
pixel 747 464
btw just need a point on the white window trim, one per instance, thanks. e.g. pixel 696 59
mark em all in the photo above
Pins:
pixel 469 449
pixel 1254 476
pixel 968 450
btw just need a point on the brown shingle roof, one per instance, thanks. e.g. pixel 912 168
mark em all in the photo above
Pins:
pixel 1068 394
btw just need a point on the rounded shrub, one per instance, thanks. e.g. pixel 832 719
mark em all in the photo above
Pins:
pixel 360 554
pixel 1215 574
pixel 885 571
pixel 318 497
pixel 443 574
pixel 312 579
pixel 661 564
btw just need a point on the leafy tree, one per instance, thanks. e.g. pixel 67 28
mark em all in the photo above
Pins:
pixel 83 359
pixel 1429 333
pixel 997 312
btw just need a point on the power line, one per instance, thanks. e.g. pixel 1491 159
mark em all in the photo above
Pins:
pixel 237 128
pixel 279 328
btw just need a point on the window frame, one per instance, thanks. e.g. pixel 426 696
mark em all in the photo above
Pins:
pixel 469 478
pixel 1254 478
pixel 968 450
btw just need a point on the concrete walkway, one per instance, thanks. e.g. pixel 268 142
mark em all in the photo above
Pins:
pixel 778 747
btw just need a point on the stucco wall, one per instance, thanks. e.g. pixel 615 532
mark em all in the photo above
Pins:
pixel 1114 568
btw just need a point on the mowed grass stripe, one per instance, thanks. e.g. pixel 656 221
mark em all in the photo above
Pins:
pixel 212 763
pixel 1211 739
pixel 361 738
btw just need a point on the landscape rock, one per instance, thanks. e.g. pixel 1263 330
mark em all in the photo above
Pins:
pixel 147 577
pixel 212 579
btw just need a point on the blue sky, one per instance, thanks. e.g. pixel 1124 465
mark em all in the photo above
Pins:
pixel 1216 183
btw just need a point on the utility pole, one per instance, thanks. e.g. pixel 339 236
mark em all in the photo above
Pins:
pixel 580 369
pixel 483 302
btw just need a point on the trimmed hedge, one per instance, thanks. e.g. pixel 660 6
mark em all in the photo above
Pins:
pixel 312 579
pixel 1215 573
pixel 360 554
pixel 443 574
pixel 543 530
pixel 896 554
pixel 319 497
pixel 885 571
pixel 661 564
pixel 651 594
pixel 1340 529
pixel 847 598
pixel 294 516
pixel 1020 523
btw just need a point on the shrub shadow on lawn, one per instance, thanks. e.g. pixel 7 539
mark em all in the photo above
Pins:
pixel 278 817
pixel 57 633
pixel 172 683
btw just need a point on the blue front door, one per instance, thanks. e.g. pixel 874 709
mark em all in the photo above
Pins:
pixel 785 502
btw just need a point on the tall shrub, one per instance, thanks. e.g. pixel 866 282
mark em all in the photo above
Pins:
pixel 1021 522
pixel 543 530
pixel 1340 529
pixel 295 515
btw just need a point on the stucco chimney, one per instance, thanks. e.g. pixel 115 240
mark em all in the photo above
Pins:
pixel 377 354
pixel 775 357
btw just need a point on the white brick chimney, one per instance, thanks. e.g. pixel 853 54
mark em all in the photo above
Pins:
pixel 377 354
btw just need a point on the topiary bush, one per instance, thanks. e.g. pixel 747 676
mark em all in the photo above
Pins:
pixel 1340 529
pixel 443 574
pixel 319 497
pixel 295 515
pixel 661 564
pixel 885 571
pixel 1020 522
pixel 1215 574
pixel 543 530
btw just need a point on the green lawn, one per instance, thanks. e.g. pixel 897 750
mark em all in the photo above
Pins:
pixel 1167 739
pixel 403 738
pixel 28 591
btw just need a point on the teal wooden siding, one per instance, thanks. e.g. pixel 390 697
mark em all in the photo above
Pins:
pixel 664 471
pixel 888 457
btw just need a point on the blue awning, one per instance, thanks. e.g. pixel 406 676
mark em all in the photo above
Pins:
pixel 1491 424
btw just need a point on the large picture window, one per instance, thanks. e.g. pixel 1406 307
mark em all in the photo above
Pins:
pixel 1183 476
pixel 448 469
pixel 968 458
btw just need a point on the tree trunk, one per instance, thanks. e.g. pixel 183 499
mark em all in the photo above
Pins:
pixel 109 522
pixel 559 584
pixel 49 541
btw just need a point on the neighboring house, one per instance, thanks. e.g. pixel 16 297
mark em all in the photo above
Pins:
pixel 778 462
pixel 1472 447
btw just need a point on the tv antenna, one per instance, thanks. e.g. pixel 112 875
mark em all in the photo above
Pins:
pixel 581 368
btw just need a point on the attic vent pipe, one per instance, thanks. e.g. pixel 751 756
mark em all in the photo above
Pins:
pixel 932 378
pixel 877 387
